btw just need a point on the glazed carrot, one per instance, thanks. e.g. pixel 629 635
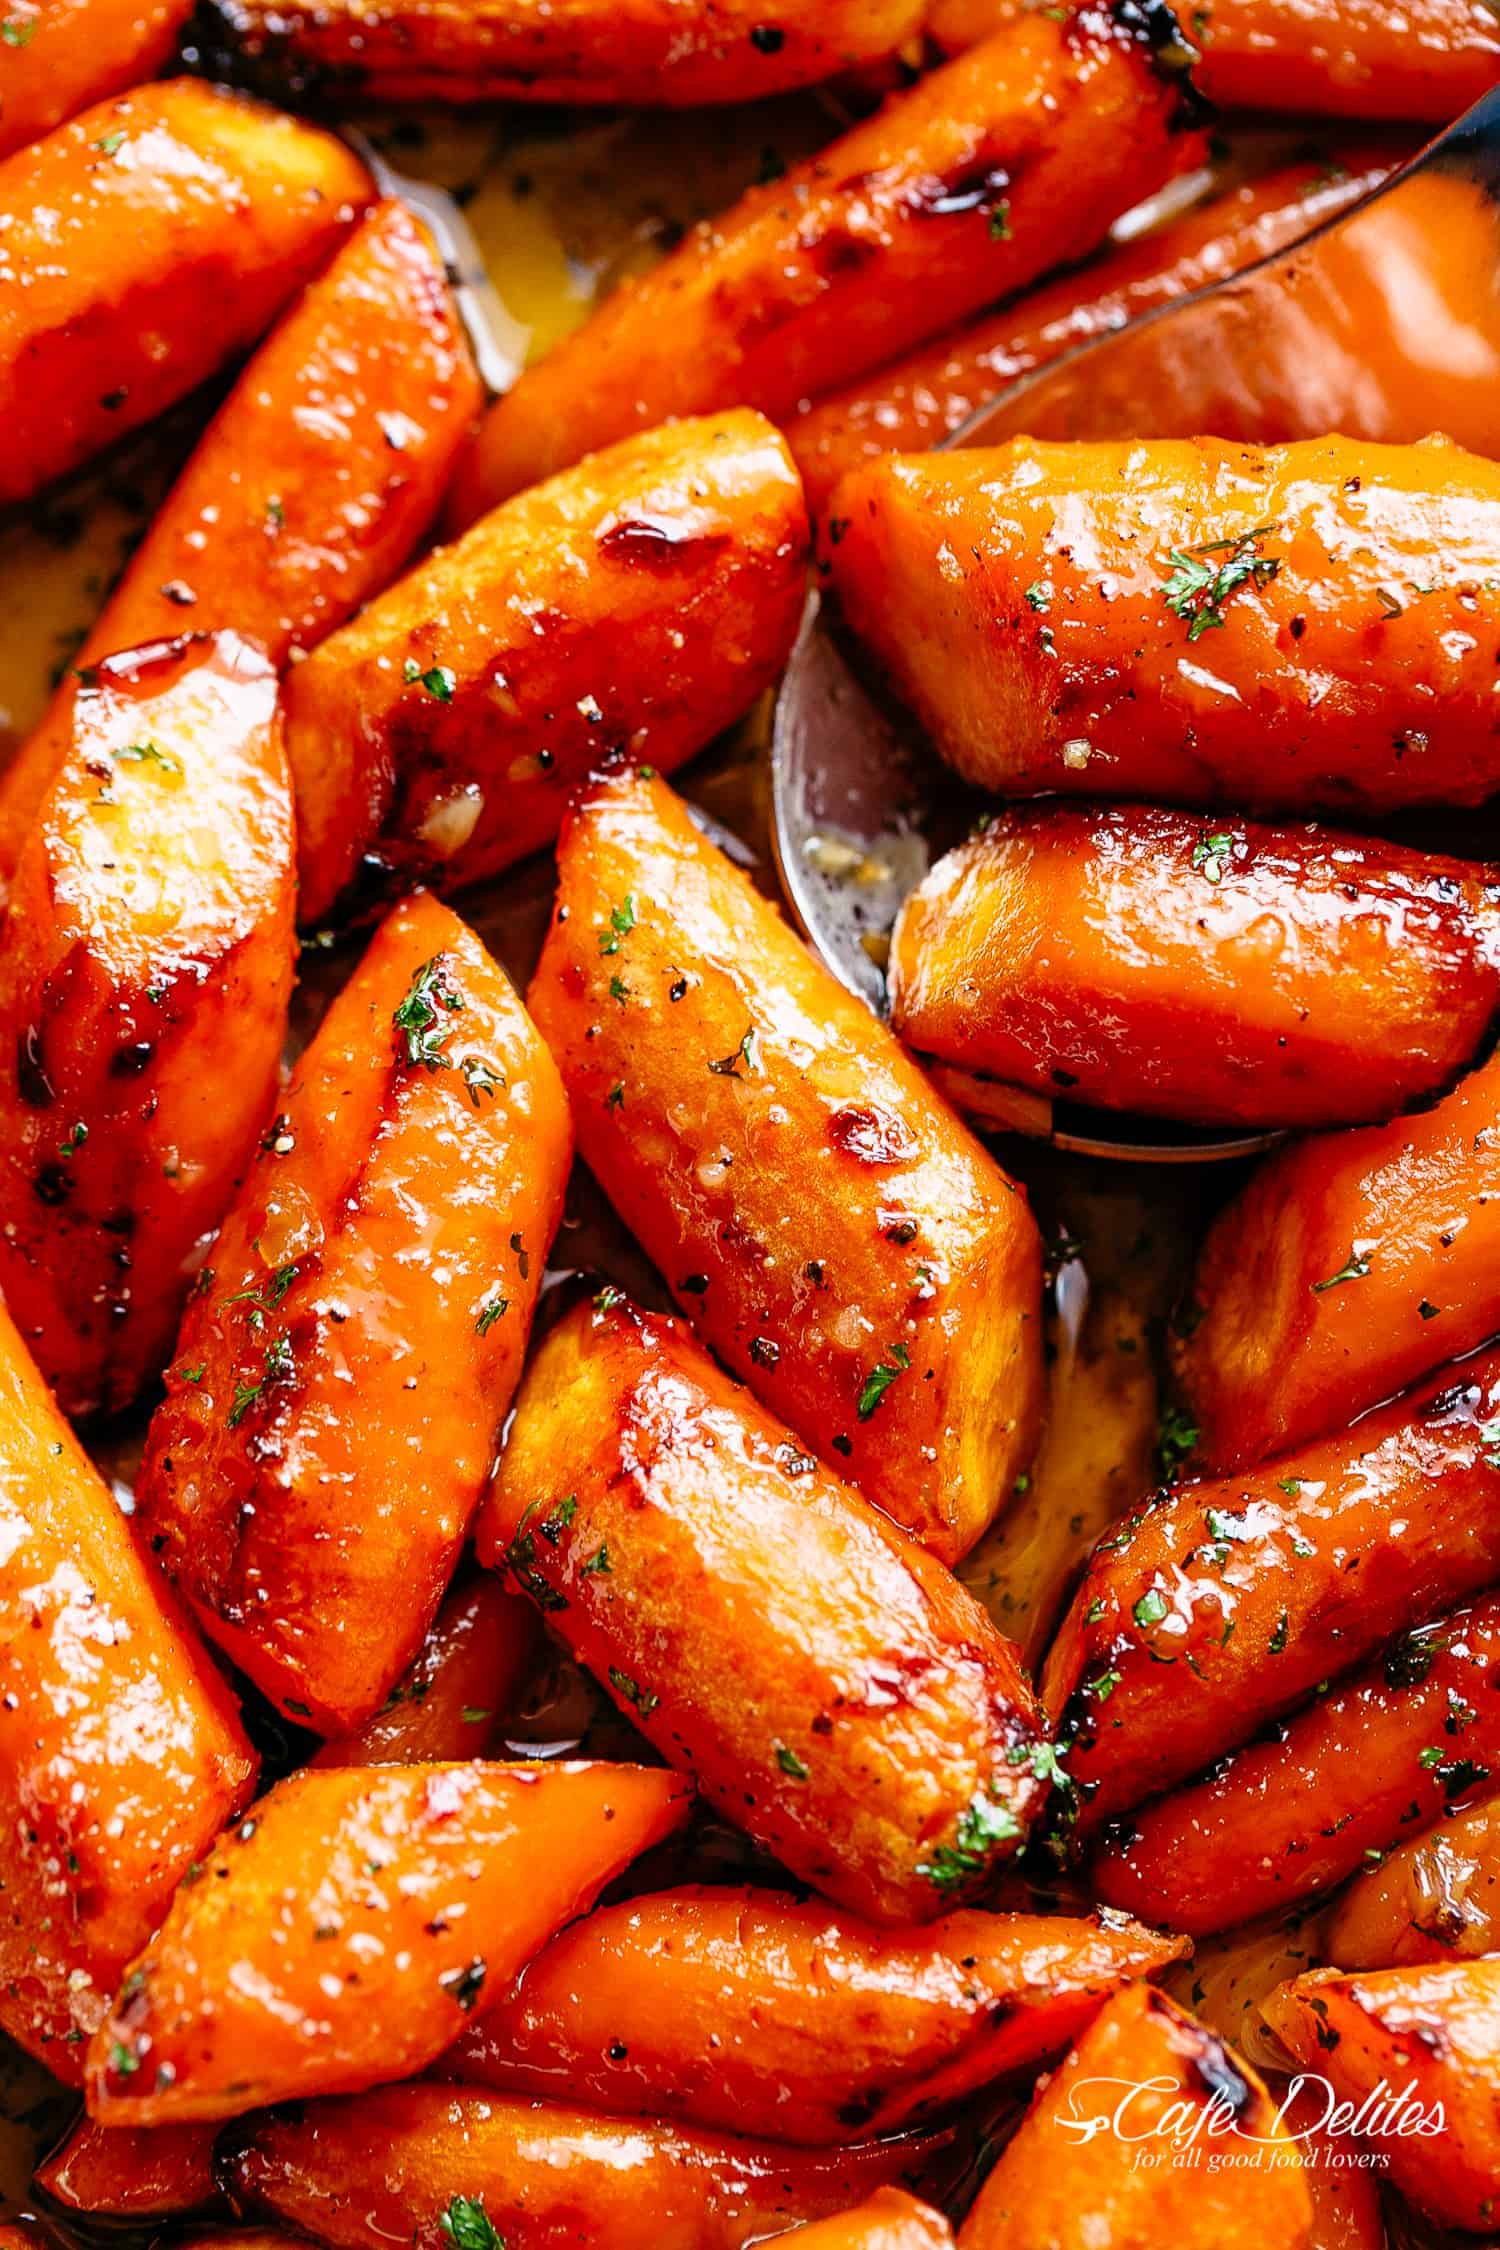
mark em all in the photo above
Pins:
pixel 962 189
pixel 790 2021
pixel 118 2172
pixel 1384 1754
pixel 1348 1266
pixel 642 54
pixel 344 1369
pixel 1224 1602
pixel 61 55
pixel 834 1234
pixel 120 1751
pixel 343 1933
pixel 454 1700
pixel 837 1694
pixel 1345 2191
pixel 1215 971
pixel 1417 2049
pixel 309 488
pixel 1436 1897
pixel 1427 60
pixel 141 247
pixel 1164 605
pixel 440 732
pixel 889 2220
pixel 914 403
pixel 1072 2177
pixel 410 2162
pixel 144 984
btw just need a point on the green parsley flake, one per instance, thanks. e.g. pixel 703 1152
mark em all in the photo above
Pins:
pixel 1197 588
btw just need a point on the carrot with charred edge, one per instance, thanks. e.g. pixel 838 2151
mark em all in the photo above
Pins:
pixel 396 2163
pixel 1225 974
pixel 1060 2186
pixel 118 2172
pixel 309 488
pixel 344 1933
pixel 1222 1603
pixel 1165 605
pixel 1427 61
pixel 645 54
pixel 1415 2044
pixel 1437 1897
pixel 916 402
pixel 961 190
pixel 454 1701
pixel 787 2020
pixel 121 1754
pixel 830 1228
pixel 440 733
pixel 141 247
pixel 343 1371
pixel 837 1694
pixel 1348 1266
pixel 61 55
pixel 1387 1753
pixel 890 2220
pixel 144 985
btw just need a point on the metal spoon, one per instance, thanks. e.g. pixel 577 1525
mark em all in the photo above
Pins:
pixel 1383 323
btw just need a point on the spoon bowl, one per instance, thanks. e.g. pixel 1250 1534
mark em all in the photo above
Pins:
pixel 1382 323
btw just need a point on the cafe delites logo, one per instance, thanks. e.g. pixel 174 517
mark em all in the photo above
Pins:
pixel 1222 2127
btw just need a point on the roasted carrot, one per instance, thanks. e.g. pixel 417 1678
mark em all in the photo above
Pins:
pixel 1225 1601
pixel 889 2220
pixel 440 733
pixel 119 2172
pixel 343 1934
pixel 141 247
pixel 1386 1753
pixel 412 2162
pixel 1427 60
pixel 309 488
pixel 790 2021
pixel 144 984
pixel 831 1229
pixel 644 54
pixel 962 189
pixel 1145 2077
pixel 1221 972
pixel 1437 1897
pixel 61 55
pixel 837 1694
pixel 454 1700
pixel 915 402
pixel 1348 1266
pixel 1283 627
pixel 1417 2052
pixel 120 1750
pixel 343 1370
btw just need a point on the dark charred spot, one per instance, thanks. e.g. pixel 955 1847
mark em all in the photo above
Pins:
pixel 980 187
pixel 857 2113
pixel 872 1135
pixel 130 1061
pixel 767 39
pixel 32 1083
pixel 656 543
pixel 53 1184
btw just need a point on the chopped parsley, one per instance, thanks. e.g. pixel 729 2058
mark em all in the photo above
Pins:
pixel 790 1763
pixel 728 1066
pixel 146 754
pixel 468 2226
pixel 621 923
pixel 1356 1269
pixel 880 1378
pixel 1176 1436
pixel 438 681
pixel 980 1830
pixel 419 1018
pixel 631 1691
pixel 1211 856
pixel 1198 588
pixel 495 1310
